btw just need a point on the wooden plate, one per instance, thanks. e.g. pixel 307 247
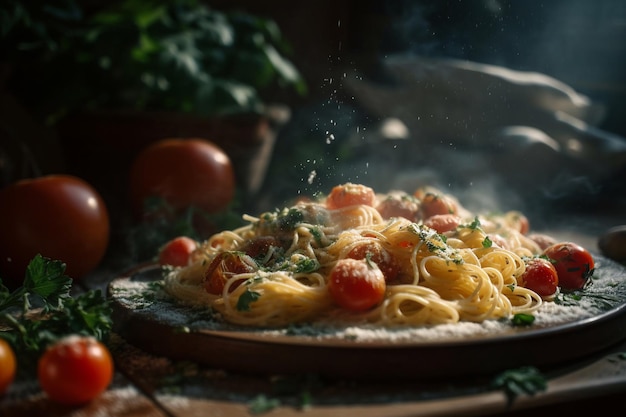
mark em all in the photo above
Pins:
pixel 159 326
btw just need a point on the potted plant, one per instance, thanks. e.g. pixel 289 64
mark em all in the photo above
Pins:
pixel 112 78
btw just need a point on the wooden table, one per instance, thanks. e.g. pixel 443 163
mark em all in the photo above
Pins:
pixel 146 385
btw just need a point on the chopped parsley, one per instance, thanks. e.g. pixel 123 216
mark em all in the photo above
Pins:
pixel 306 265
pixel 435 242
pixel 248 296
pixel 526 380
pixel 280 220
pixel 263 404
pixel 474 225
pixel 522 319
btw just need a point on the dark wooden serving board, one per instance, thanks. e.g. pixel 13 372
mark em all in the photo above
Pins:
pixel 256 352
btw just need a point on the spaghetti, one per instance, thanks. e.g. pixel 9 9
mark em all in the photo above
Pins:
pixel 439 268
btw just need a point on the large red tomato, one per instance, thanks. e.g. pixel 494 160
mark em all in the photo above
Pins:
pixel 185 172
pixel 60 217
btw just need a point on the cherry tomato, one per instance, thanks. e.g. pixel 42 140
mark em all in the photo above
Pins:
pixel 349 194
pixel 443 222
pixel 223 267
pixel 8 366
pixel 75 370
pixel 259 247
pixel 60 217
pixel 573 263
pixel 520 222
pixel 177 252
pixel 433 203
pixel 400 205
pixel 356 285
pixel 540 276
pixel 185 173
pixel 374 252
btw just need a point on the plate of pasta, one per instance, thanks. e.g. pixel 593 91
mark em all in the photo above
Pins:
pixel 363 284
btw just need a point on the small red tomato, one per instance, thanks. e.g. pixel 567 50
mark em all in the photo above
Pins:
pixel 349 194
pixel 177 252
pixel 443 223
pixel 223 267
pixel 374 252
pixel 260 247
pixel 60 217
pixel 399 204
pixel 185 173
pixel 75 370
pixel 356 285
pixel 521 222
pixel 8 365
pixel 540 276
pixel 433 203
pixel 573 263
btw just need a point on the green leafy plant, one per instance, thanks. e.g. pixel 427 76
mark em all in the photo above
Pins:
pixel 42 309
pixel 178 55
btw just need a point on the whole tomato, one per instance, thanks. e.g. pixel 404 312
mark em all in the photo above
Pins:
pixel 8 366
pixel 574 264
pixel 75 370
pixel 185 172
pixel 177 251
pixel 356 285
pixel 60 217
pixel 540 276
pixel 349 194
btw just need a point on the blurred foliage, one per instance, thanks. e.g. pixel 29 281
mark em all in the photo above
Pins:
pixel 162 223
pixel 177 55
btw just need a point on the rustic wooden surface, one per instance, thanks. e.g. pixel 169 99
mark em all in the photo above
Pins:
pixel 147 385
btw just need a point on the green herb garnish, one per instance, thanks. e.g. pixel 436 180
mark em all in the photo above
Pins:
pixel 42 310
pixel 526 380
pixel 262 404
pixel 248 296
pixel 522 319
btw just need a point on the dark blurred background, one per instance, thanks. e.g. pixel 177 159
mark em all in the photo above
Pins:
pixel 331 137
pixel 577 42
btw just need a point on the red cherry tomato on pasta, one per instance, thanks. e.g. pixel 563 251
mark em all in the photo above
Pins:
pixel 262 247
pixel 185 173
pixel 573 263
pixel 349 194
pixel 443 223
pixel 374 252
pixel 177 252
pixel 522 223
pixel 540 276
pixel 400 205
pixel 356 285
pixel 8 366
pixel 60 217
pixel 223 267
pixel 75 370
pixel 433 203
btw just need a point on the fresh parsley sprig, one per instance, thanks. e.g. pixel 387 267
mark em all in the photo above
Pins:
pixel 45 281
pixel 43 310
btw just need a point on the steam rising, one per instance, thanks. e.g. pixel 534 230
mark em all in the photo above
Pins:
pixel 496 137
